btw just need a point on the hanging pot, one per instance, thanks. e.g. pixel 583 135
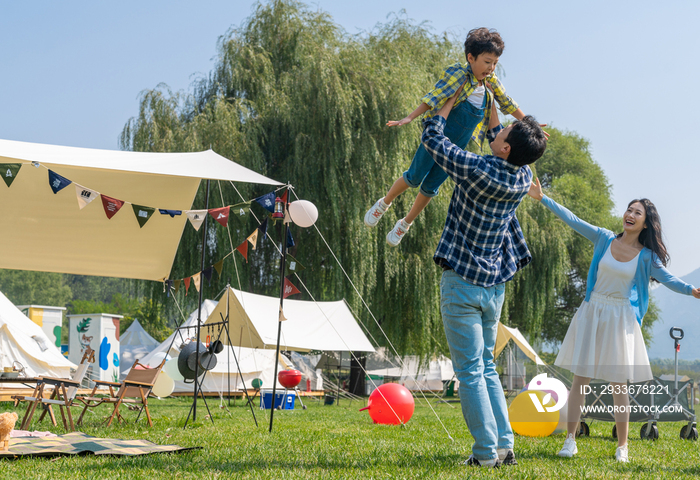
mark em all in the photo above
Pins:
pixel 217 346
pixel 187 368
pixel 207 360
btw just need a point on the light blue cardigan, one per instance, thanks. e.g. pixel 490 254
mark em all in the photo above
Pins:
pixel 648 264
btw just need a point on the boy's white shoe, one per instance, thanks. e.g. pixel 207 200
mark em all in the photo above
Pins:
pixel 375 213
pixel 569 449
pixel 622 454
pixel 506 456
pixel 472 461
pixel 394 237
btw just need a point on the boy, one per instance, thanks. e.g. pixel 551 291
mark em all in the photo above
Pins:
pixel 481 248
pixel 469 120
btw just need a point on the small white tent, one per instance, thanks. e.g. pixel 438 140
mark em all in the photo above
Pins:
pixel 254 363
pixel 505 334
pixel 134 343
pixel 409 372
pixel 23 341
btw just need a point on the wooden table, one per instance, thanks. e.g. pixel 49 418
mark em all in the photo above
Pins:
pixel 58 397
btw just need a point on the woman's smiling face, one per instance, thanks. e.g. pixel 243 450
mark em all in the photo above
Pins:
pixel 634 219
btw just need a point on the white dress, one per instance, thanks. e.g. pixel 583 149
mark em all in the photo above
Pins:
pixel 604 339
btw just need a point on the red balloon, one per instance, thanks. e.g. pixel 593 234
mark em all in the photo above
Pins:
pixel 289 378
pixel 390 404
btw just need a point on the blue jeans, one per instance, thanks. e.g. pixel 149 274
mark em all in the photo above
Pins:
pixel 470 315
pixel 459 128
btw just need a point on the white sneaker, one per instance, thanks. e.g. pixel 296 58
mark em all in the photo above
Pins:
pixel 472 461
pixel 375 213
pixel 569 449
pixel 506 456
pixel 622 454
pixel 394 237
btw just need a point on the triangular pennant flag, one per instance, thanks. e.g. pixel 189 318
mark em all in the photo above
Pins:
pixel 243 249
pixel 196 217
pixel 172 213
pixel 220 215
pixel 85 195
pixel 57 182
pixel 292 266
pixel 282 317
pixel 267 201
pixel 284 197
pixel 289 289
pixel 187 284
pixel 177 285
pixel 142 213
pixel 196 279
pixel 168 284
pixel 253 238
pixel 263 230
pixel 290 240
pixel 240 209
pixel 9 172
pixel 207 272
pixel 219 266
pixel 111 205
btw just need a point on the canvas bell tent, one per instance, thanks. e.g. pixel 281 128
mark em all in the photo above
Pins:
pixel 23 341
pixel 98 212
pixel 253 323
pixel 134 343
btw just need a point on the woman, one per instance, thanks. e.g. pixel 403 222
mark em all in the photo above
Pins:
pixel 604 339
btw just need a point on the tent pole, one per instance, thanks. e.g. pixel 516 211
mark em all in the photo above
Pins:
pixel 199 312
pixel 279 319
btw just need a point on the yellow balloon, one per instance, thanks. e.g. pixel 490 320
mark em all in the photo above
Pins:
pixel 527 419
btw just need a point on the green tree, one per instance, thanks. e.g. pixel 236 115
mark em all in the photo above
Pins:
pixel 23 287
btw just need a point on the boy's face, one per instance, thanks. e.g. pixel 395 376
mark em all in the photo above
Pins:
pixel 483 65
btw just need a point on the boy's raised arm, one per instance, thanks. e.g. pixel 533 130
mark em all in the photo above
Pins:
pixel 422 108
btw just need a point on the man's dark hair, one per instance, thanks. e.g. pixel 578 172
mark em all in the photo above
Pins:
pixel 527 142
pixel 483 40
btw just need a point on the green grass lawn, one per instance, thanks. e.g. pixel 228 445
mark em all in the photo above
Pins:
pixel 340 442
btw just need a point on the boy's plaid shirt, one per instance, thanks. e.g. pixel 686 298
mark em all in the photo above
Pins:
pixel 454 76
pixel 482 240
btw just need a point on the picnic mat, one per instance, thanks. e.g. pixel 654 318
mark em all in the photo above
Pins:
pixel 77 443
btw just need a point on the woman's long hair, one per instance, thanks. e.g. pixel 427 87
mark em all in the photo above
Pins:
pixel 651 237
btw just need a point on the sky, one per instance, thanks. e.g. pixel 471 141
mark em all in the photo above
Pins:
pixel 620 74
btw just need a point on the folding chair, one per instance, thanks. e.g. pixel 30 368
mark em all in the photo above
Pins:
pixel 134 389
pixel 60 396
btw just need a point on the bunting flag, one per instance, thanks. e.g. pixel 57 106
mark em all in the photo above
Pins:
pixel 240 209
pixel 196 279
pixel 263 230
pixel 207 272
pixel 172 213
pixel 219 266
pixel 85 195
pixel 111 205
pixel 177 285
pixel 243 249
pixel 282 317
pixel 290 240
pixel 267 201
pixel 187 284
pixel 168 284
pixel 220 215
pixel 253 238
pixel 292 266
pixel 57 182
pixel 142 213
pixel 284 197
pixel 289 288
pixel 9 172
pixel 196 217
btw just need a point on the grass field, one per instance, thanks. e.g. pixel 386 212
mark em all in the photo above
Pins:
pixel 340 442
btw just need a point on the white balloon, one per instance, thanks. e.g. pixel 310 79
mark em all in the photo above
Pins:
pixel 164 385
pixel 171 369
pixel 303 213
pixel 157 358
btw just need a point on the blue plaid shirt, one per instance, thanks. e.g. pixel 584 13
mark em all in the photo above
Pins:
pixel 482 240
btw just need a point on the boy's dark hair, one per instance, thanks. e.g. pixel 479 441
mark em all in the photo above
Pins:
pixel 527 142
pixel 483 40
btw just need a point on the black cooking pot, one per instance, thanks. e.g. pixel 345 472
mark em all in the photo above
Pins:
pixel 187 367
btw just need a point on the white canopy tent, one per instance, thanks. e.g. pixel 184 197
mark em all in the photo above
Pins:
pixel 23 341
pixel 134 343
pixel 506 334
pixel 253 323
pixel 254 363
pixel 49 232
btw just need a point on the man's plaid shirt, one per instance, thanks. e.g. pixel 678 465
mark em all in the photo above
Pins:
pixel 482 240
pixel 454 76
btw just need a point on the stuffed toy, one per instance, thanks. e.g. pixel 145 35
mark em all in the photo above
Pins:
pixel 7 423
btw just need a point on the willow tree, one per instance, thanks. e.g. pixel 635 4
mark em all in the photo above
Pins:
pixel 296 98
